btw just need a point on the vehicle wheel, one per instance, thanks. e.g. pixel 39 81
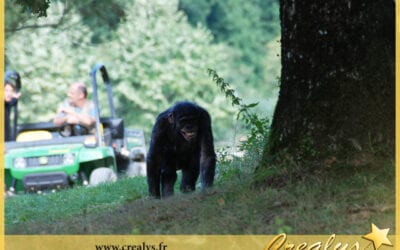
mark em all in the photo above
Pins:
pixel 102 175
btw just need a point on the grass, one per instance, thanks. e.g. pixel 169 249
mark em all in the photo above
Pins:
pixel 51 207
pixel 340 199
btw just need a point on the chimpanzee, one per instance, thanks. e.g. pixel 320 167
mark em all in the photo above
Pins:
pixel 181 140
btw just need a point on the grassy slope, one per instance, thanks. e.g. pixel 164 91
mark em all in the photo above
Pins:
pixel 341 199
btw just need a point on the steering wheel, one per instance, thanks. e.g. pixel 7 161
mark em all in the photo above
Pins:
pixel 68 129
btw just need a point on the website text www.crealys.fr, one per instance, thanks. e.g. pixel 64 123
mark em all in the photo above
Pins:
pixel 142 246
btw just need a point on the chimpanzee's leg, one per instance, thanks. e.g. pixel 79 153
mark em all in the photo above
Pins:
pixel 207 154
pixel 168 179
pixel 190 174
pixel 153 178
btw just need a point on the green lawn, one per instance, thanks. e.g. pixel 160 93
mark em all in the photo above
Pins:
pixel 340 199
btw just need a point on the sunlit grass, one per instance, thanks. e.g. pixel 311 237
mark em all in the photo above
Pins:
pixel 67 203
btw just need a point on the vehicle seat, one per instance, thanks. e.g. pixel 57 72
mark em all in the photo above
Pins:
pixel 34 136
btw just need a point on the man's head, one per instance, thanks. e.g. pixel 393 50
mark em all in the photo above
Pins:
pixel 77 94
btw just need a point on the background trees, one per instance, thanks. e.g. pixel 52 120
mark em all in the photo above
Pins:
pixel 157 52
pixel 337 85
pixel 252 29
pixel 48 59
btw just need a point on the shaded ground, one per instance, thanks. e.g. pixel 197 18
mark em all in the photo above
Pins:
pixel 342 199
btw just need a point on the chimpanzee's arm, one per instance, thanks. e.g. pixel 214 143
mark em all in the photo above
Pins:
pixel 207 153
pixel 155 155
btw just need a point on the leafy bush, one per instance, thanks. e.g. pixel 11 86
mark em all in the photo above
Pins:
pixel 236 161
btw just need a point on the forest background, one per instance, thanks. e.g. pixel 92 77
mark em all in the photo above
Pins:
pixel 156 52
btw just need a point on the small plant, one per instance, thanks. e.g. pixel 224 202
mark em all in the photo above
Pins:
pixel 229 166
pixel 281 227
pixel 258 126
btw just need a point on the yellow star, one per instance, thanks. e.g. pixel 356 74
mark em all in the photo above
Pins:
pixel 378 236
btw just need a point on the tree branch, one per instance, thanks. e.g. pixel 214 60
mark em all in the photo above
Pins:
pixel 38 26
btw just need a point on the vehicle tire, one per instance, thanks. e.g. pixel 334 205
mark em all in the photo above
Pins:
pixel 102 175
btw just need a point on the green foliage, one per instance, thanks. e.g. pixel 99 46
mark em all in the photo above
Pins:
pixel 154 59
pixel 14 15
pixel 225 18
pixel 101 17
pixel 48 60
pixel 234 161
pixel 230 167
pixel 258 127
pixel 281 226
pixel 164 60
pixel 248 27
pixel 36 7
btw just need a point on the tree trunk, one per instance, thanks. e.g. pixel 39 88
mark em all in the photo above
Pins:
pixel 337 90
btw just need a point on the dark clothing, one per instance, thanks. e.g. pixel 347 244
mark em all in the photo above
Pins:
pixel 7 126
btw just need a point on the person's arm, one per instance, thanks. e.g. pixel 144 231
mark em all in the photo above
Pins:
pixel 89 115
pixel 67 115
pixel 12 102
pixel 84 119
pixel 61 117
pixel 58 121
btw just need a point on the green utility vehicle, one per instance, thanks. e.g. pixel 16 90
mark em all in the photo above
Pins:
pixel 42 157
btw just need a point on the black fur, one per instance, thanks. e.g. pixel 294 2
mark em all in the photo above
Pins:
pixel 181 140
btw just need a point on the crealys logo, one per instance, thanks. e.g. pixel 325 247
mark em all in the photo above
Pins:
pixel 377 238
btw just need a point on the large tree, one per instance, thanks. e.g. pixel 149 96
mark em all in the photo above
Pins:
pixel 337 93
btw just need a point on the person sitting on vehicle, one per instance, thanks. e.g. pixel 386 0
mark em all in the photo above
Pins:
pixel 76 110
pixel 10 99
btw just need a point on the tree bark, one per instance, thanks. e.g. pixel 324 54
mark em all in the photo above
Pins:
pixel 337 91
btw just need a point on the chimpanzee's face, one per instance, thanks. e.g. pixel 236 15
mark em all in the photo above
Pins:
pixel 188 127
pixel 186 118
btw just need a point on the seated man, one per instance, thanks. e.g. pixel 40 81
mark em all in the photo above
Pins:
pixel 76 110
